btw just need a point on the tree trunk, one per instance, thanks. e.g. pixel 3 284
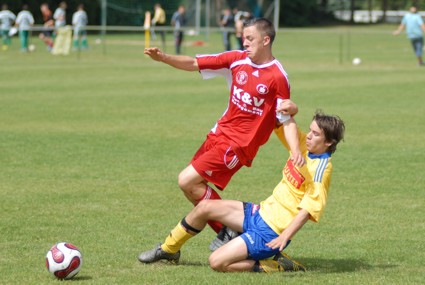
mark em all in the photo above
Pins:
pixel 352 10
pixel 384 10
pixel 369 7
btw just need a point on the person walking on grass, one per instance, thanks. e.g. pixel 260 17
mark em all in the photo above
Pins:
pixel 415 28
pixel 178 21
pixel 60 15
pixel 268 228
pixel 79 21
pixel 159 20
pixel 24 21
pixel 7 18
pixel 47 34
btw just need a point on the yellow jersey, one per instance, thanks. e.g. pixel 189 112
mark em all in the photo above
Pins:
pixel 300 188
pixel 159 16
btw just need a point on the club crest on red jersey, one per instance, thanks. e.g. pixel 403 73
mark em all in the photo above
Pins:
pixel 241 77
pixel 262 89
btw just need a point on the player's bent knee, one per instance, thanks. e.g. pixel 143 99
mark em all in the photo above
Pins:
pixel 203 208
pixel 183 182
pixel 215 264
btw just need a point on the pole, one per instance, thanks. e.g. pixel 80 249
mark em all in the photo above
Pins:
pixel 348 45
pixel 276 13
pixel 207 18
pixel 147 27
pixel 198 16
pixel 103 23
pixel 341 46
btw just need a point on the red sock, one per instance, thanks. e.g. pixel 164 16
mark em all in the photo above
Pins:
pixel 211 194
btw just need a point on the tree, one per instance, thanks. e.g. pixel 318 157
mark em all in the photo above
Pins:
pixel 384 10
pixel 304 12
pixel 352 11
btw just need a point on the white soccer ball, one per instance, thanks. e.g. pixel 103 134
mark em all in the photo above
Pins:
pixel 64 260
pixel 357 61
pixel 31 48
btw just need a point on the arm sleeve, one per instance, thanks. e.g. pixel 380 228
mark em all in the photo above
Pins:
pixel 316 196
pixel 214 65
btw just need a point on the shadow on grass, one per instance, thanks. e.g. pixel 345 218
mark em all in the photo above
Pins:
pixel 181 263
pixel 80 278
pixel 321 265
pixel 316 265
pixel 190 263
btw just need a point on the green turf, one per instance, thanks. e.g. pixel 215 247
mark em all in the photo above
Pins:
pixel 91 147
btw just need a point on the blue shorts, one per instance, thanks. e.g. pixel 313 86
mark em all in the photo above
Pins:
pixel 256 233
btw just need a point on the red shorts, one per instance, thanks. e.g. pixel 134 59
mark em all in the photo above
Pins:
pixel 215 161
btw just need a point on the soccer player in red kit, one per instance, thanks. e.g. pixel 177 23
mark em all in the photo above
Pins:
pixel 259 90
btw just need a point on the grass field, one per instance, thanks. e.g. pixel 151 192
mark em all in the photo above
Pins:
pixel 91 147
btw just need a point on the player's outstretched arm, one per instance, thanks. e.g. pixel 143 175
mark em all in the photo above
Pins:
pixel 182 62
pixel 291 136
pixel 297 223
pixel 399 30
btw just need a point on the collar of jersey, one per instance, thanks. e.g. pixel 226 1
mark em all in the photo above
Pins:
pixel 322 155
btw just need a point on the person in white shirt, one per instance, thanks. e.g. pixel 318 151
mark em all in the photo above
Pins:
pixel 7 18
pixel 79 21
pixel 60 15
pixel 24 21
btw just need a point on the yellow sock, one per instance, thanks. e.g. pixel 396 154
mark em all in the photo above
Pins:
pixel 175 240
pixel 270 265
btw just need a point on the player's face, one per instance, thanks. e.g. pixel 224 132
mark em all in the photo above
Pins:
pixel 254 42
pixel 316 141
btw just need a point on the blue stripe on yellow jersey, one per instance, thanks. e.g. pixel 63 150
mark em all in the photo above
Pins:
pixel 320 170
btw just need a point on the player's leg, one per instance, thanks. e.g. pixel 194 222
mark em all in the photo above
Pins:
pixel 162 34
pixel 4 34
pixel 8 39
pixel 22 39
pixel 232 257
pixel 179 41
pixel 176 42
pixel 214 162
pixel 84 43
pixel 76 39
pixel 230 212
pixel 226 211
pixel 196 189
pixel 419 50
pixel 192 184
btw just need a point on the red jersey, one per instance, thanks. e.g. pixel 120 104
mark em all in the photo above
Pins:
pixel 254 90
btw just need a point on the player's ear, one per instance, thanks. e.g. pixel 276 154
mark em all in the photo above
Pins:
pixel 266 40
pixel 328 144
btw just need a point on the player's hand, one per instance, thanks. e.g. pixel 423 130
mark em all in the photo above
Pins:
pixel 298 159
pixel 279 242
pixel 155 53
pixel 287 107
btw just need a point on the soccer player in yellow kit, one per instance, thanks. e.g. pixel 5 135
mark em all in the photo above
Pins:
pixel 266 229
